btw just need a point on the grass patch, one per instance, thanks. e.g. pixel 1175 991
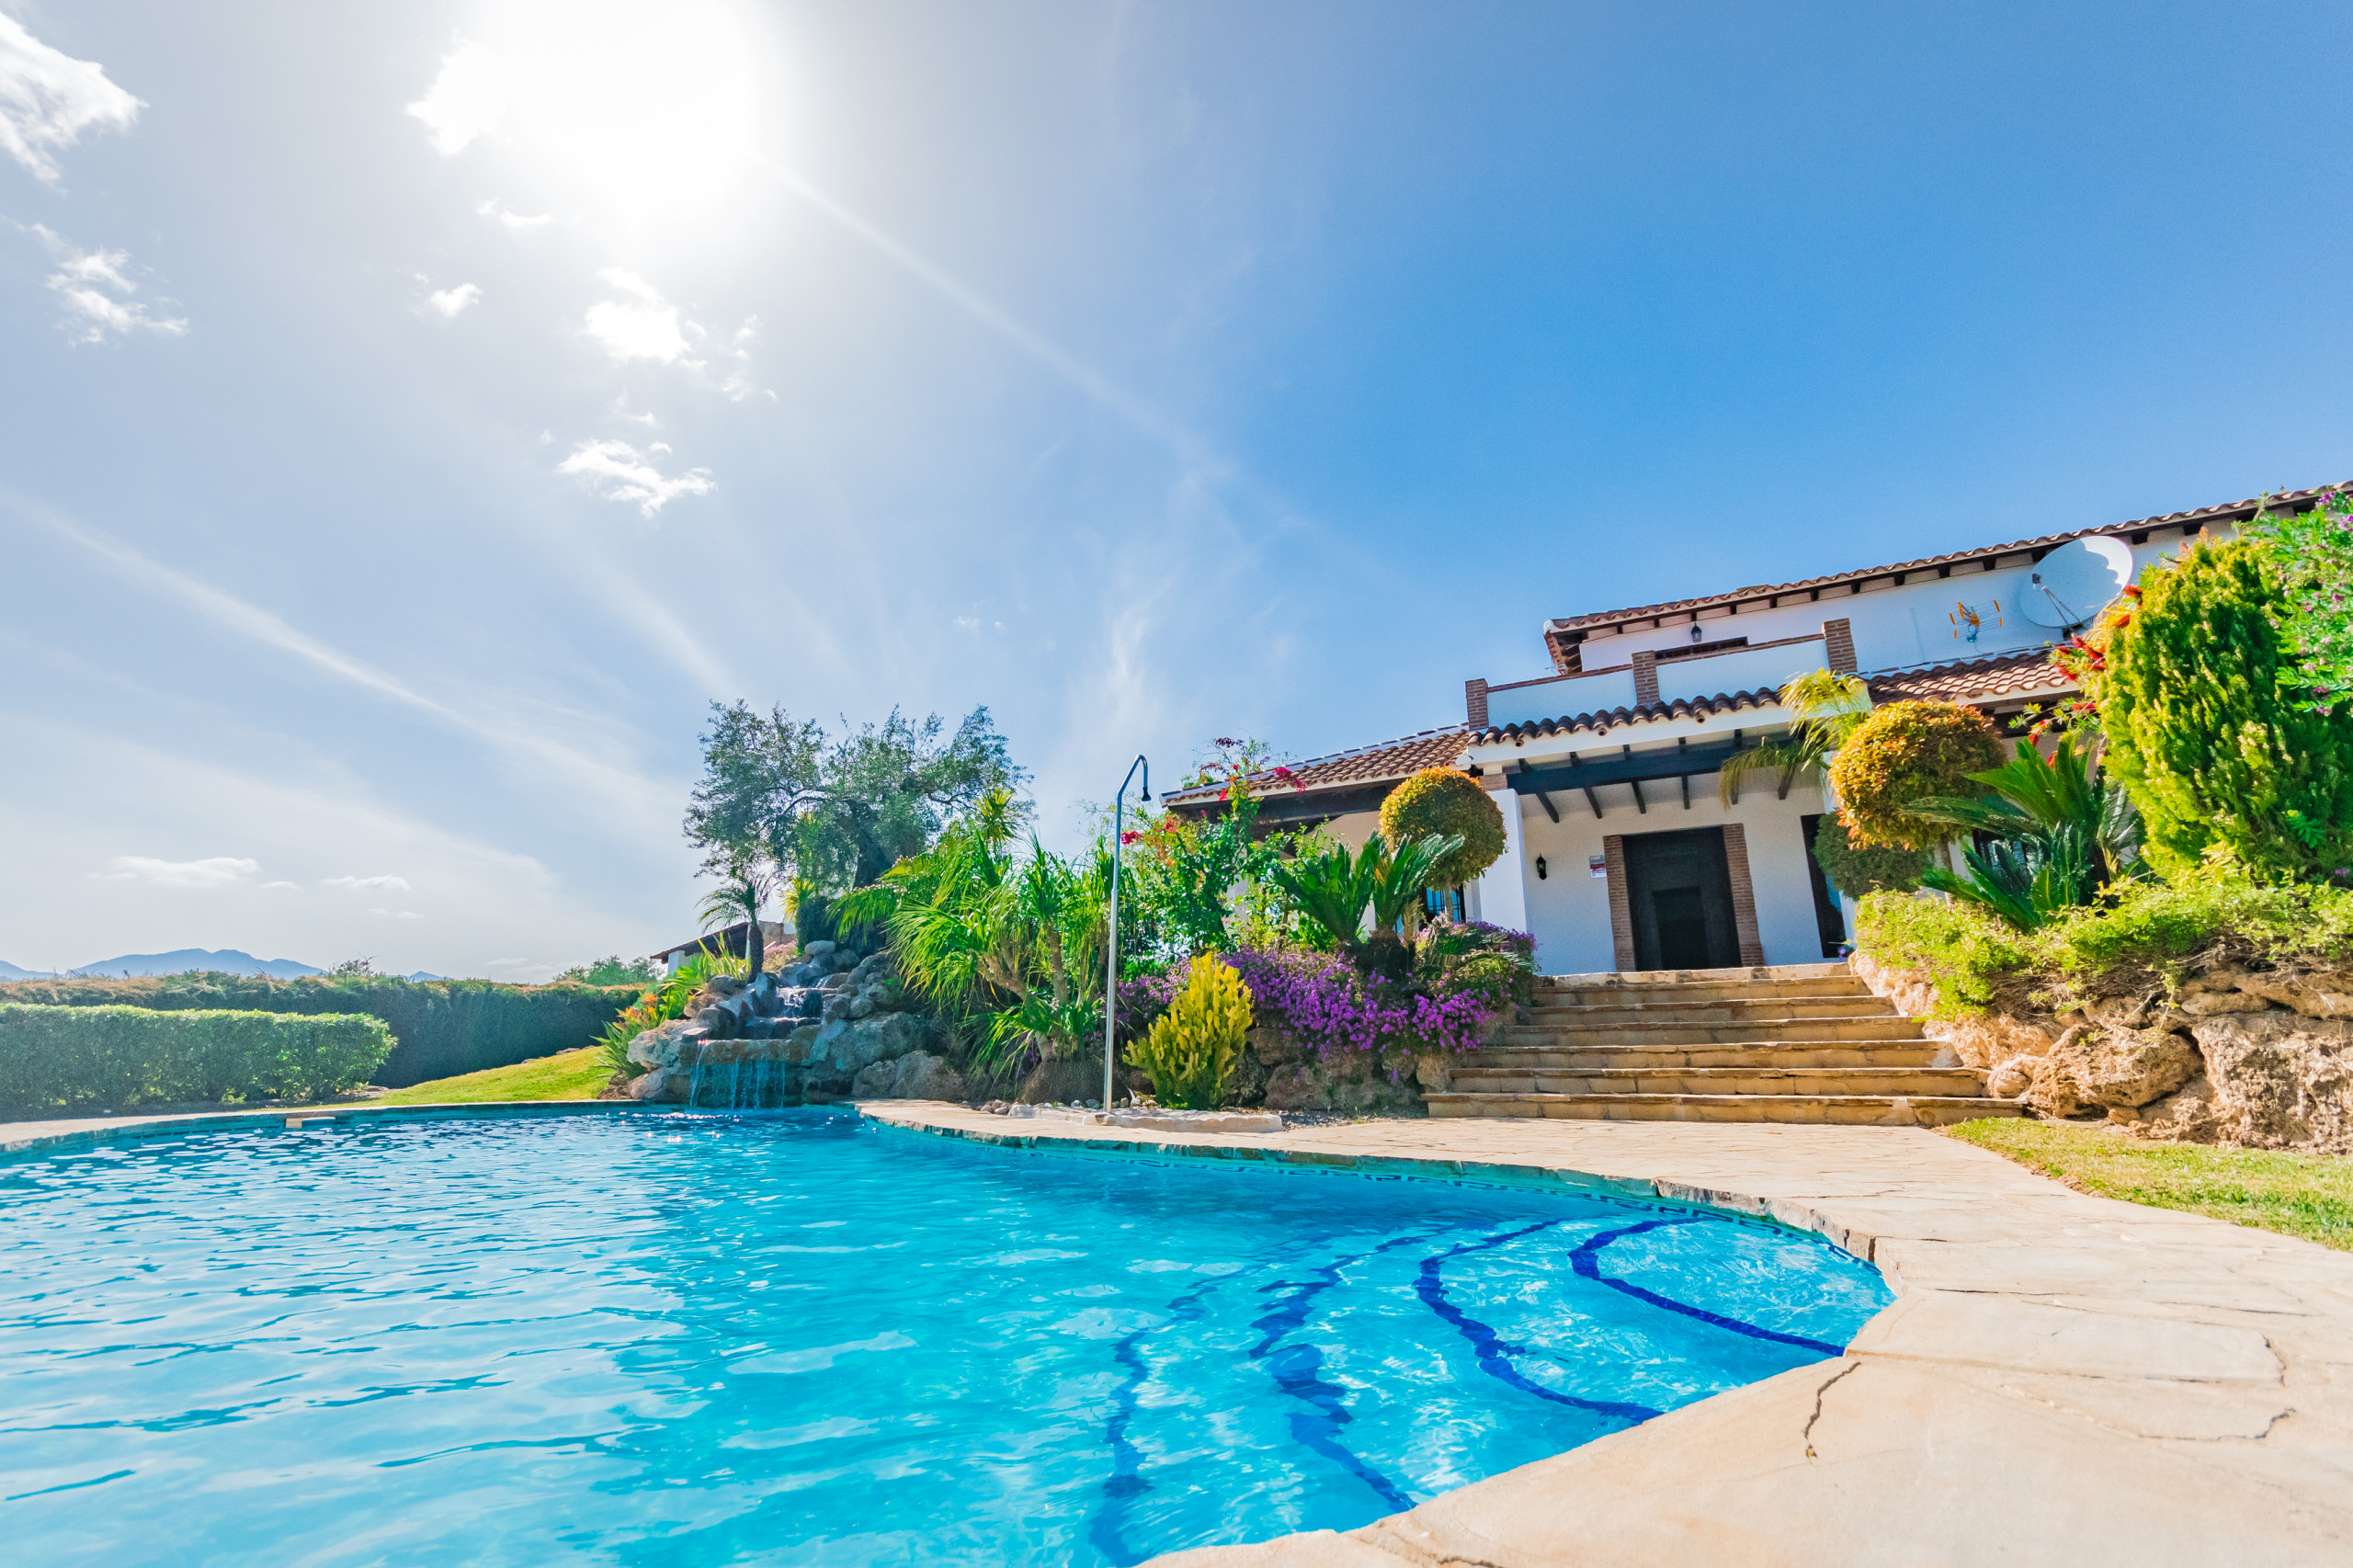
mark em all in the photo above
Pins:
pixel 567 1076
pixel 2306 1196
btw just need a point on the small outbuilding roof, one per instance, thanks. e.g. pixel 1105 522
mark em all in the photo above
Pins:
pixel 1374 766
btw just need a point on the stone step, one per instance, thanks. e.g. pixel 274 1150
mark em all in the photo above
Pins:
pixel 1885 1053
pixel 1757 990
pixel 1857 1110
pixel 1768 974
pixel 1933 1082
pixel 1548 1011
pixel 1569 1037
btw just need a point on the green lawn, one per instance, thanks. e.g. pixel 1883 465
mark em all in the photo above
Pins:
pixel 2310 1196
pixel 567 1076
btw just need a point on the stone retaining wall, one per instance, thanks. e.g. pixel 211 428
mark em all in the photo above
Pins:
pixel 2257 1059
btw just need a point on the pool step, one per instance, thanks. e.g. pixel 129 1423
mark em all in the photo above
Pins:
pixel 1799 1043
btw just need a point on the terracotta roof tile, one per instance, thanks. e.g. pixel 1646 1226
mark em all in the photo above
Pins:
pixel 1365 765
pixel 1602 722
pixel 1973 680
pixel 2228 511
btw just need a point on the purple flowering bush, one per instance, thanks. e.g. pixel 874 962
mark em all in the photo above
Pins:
pixel 1463 976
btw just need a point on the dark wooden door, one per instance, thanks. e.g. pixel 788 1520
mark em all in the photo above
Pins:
pixel 1678 891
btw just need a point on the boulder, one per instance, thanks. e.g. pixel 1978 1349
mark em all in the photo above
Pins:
pixel 2110 1067
pixel 874 1080
pixel 2011 1079
pixel 812 951
pixel 923 1076
pixel 2279 1080
pixel 883 1037
pixel 1434 1072
pixel 862 1004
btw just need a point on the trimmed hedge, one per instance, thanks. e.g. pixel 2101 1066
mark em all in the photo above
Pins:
pixel 71 1058
pixel 440 1028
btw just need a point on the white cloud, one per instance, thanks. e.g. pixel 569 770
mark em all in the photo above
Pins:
pixel 98 292
pixel 279 887
pixel 645 326
pixel 217 871
pixel 48 99
pixel 466 99
pixel 447 303
pixel 493 208
pixel 402 915
pixel 400 883
pixel 615 471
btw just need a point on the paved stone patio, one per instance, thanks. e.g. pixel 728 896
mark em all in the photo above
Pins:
pixel 2062 1378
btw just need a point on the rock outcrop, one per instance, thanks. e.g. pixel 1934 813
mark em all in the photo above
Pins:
pixel 833 1027
pixel 2257 1059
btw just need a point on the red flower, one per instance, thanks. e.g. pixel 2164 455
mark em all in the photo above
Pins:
pixel 1130 836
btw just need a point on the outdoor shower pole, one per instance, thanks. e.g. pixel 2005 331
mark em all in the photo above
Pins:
pixel 1111 974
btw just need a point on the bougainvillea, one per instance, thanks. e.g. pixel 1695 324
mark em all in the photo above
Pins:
pixel 1906 752
pixel 1335 1011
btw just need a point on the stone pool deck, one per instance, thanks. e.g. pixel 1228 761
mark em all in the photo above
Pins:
pixel 2062 1378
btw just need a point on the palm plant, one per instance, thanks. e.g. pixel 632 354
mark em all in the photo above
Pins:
pixel 2060 833
pixel 1010 947
pixel 1824 708
pixel 1334 889
pixel 741 897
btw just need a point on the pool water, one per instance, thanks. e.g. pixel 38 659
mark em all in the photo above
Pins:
pixel 802 1338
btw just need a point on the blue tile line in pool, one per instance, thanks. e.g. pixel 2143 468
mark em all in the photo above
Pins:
pixel 1296 1369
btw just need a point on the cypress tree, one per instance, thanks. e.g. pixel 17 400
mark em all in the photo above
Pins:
pixel 2217 750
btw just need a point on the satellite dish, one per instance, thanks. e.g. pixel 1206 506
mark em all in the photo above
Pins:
pixel 2076 582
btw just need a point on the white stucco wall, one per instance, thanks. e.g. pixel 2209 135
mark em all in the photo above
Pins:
pixel 1568 909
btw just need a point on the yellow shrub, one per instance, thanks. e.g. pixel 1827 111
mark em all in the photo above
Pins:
pixel 1190 1054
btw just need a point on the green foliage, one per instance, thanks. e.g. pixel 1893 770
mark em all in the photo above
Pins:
pixel 1332 889
pixel 837 813
pixel 442 1027
pixel 2059 836
pixel 2144 935
pixel 1191 1052
pixel 1495 963
pixel 63 1059
pixel 1973 959
pixel 2207 731
pixel 1855 870
pixel 1906 752
pixel 739 898
pixel 1825 707
pixel 1009 951
pixel 2310 555
pixel 1446 802
pixel 613 971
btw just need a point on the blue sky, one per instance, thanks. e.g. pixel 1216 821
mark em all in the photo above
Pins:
pixel 417 414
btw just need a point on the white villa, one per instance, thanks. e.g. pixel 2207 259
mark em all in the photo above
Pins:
pixel 1620 855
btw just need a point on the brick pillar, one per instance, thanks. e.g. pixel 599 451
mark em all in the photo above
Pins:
pixel 1621 914
pixel 1474 703
pixel 1839 646
pixel 1645 680
pixel 1744 893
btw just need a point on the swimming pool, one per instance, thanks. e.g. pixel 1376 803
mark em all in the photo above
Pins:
pixel 694 1339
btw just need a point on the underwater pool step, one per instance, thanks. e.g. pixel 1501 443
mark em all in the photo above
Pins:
pixel 1853 1110
pixel 1746 1079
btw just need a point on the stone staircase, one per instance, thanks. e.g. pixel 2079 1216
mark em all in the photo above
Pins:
pixel 1796 1042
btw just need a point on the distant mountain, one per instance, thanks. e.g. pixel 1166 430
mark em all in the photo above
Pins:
pixel 10 972
pixel 420 974
pixel 228 960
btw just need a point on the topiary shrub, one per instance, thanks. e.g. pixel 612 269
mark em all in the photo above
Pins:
pixel 1190 1053
pixel 1856 870
pixel 1906 752
pixel 2218 755
pixel 1442 803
